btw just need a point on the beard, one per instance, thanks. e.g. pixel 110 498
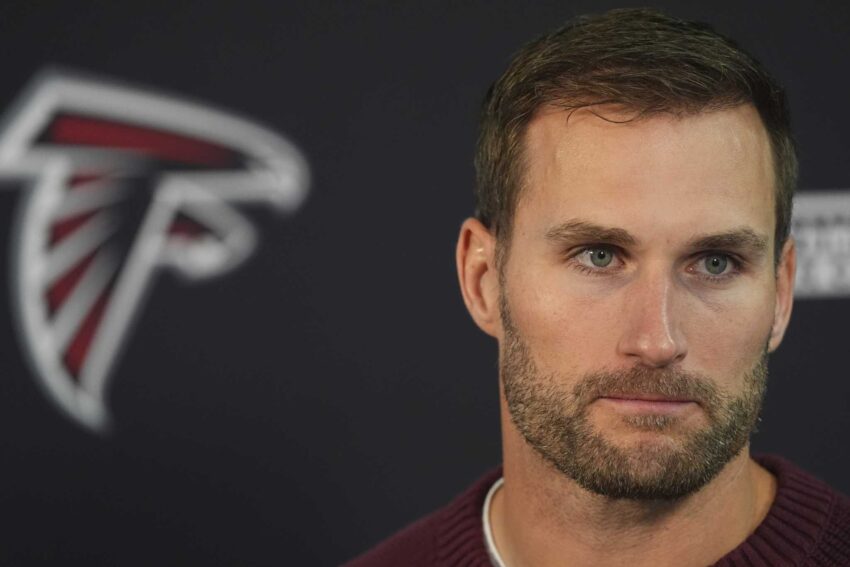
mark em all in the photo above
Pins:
pixel 555 422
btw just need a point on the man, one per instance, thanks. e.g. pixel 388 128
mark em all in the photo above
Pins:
pixel 631 255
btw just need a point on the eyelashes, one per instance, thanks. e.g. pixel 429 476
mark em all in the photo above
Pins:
pixel 601 260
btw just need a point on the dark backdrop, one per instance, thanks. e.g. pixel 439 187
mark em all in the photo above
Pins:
pixel 332 389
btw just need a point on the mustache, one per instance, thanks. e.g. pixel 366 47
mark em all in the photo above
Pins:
pixel 642 381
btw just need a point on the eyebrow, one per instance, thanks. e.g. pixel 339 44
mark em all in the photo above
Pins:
pixel 573 231
pixel 578 231
pixel 744 239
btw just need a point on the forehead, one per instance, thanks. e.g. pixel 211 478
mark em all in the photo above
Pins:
pixel 695 173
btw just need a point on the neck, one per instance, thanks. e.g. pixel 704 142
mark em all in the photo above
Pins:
pixel 540 516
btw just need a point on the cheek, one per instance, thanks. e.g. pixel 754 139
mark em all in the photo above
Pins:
pixel 565 330
pixel 571 330
pixel 727 338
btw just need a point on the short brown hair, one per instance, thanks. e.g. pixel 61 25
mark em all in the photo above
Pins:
pixel 640 59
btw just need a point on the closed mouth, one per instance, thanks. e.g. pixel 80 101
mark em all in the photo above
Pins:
pixel 645 397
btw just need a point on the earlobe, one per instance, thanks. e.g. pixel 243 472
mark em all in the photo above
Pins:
pixel 478 276
pixel 785 274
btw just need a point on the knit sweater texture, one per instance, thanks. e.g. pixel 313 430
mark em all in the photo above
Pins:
pixel 808 524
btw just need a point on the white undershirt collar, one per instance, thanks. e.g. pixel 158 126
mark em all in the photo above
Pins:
pixel 495 558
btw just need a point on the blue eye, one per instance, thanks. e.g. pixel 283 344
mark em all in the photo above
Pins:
pixel 600 257
pixel 716 264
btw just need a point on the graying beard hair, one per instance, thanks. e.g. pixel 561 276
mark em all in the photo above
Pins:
pixel 650 422
pixel 539 410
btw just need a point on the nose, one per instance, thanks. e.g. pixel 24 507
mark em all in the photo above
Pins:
pixel 651 332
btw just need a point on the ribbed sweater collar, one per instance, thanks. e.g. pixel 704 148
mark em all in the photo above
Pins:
pixel 795 525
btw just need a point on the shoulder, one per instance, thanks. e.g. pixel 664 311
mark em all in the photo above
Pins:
pixel 813 511
pixel 414 545
pixel 835 542
pixel 450 536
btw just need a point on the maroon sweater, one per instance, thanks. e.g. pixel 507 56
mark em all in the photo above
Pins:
pixel 808 524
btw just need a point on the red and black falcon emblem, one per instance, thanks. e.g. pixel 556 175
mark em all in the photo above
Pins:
pixel 122 182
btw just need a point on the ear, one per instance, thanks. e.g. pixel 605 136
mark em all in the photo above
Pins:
pixel 479 278
pixel 785 273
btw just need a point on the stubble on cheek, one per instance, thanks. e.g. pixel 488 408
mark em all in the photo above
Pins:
pixel 555 421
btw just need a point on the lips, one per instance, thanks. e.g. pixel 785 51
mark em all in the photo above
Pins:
pixel 642 397
pixel 643 390
pixel 646 404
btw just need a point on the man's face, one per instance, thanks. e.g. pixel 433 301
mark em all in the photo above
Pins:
pixel 638 296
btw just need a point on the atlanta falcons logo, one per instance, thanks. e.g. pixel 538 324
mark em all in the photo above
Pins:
pixel 120 183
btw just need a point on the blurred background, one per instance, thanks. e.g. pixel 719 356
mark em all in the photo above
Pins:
pixel 332 388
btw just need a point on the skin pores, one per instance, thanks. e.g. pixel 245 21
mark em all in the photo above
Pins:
pixel 644 247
